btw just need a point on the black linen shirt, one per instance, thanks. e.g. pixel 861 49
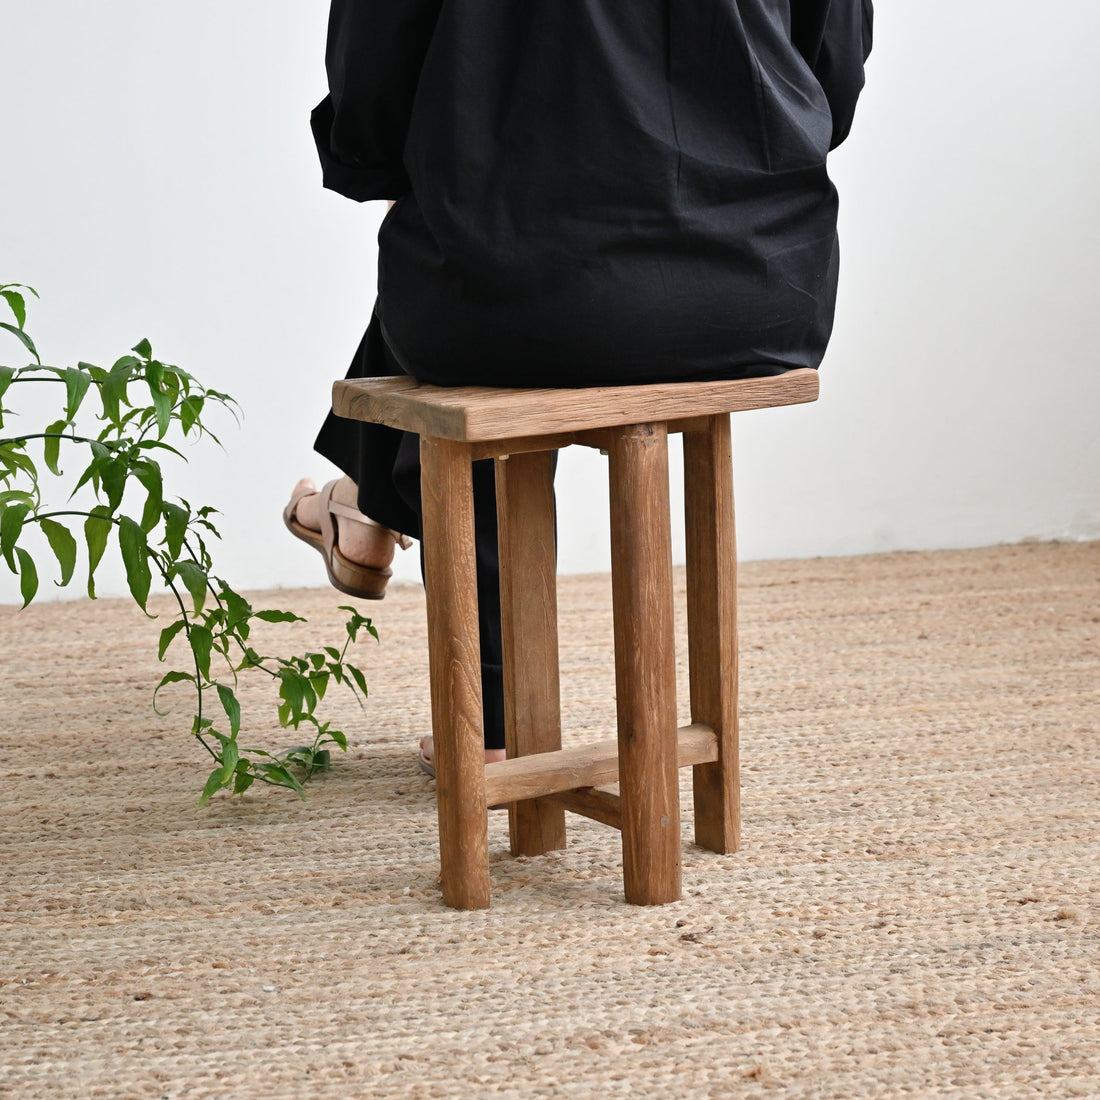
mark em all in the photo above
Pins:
pixel 596 191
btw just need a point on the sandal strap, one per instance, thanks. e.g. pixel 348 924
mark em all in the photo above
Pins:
pixel 345 510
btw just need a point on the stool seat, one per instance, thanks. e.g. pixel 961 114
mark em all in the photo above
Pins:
pixel 475 414
pixel 631 782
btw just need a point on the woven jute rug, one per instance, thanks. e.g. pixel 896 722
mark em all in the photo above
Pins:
pixel 915 910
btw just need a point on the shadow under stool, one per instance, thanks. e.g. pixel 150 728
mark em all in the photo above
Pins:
pixel 540 780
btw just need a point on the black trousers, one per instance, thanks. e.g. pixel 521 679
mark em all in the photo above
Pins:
pixel 385 464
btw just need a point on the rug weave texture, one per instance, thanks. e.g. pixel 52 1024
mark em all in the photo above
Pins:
pixel 915 910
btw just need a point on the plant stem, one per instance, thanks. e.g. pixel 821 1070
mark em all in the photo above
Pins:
pixel 48 435
pixel 187 633
pixel 73 512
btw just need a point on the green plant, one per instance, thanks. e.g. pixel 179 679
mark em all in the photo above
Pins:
pixel 141 401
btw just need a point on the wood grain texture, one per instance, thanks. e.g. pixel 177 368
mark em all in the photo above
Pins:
pixel 555 441
pixel 712 628
pixel 529 628
pixel 482 413
pixel 455 671
pixel 592 765
pixel 645 664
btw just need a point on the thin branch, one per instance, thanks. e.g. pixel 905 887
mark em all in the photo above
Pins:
pixel 48 435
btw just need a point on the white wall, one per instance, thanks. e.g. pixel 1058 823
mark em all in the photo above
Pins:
pixel 159 180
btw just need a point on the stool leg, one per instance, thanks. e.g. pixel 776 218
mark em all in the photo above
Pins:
pixel 712 628
pixel 529 626
pixel 455 668
pixel 645 669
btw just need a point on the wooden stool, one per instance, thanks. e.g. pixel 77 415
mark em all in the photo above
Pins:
pixel 540 780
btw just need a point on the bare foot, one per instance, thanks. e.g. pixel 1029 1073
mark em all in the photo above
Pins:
pixel 363 543
pixel 426 747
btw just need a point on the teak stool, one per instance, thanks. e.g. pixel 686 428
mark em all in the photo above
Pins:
pixel 540 780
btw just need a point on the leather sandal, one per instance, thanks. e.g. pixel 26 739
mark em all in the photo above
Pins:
pixel 426 766
pixel 366 582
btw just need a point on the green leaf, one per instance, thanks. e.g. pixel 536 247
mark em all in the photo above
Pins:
pixel 135 557
pixel 138 416
pixel 157 445
pixel 162 403
pixel 112 393
pixel 231 707
pixel 28 575
pixel 272 616
pixel 339 737
pixel 144 349
pixel 307 757
pixel 76 386
pixel 277 773
pixel 175 527
pixel 202 642
pixel 195 579
pixel 14 458
pixel 210 527
pixel 173 677
pixel 11 525
pixel 10 495
pixel 185 379
pixel 51 445
pixel 243 780
pixel 6 375
pixel 18 305
pixel 63 545
pixel 357 622
pixel 97 529
pixel 171 383
pixel 237 608
pixel 24 339
pixel 148 474
pixel 125 366
pixel 299 754
pixel 230 755
pixel 100 454
pixel 292 690
pixel 309 697
pixel 250 659
pixel 166 636
pixel 319 680
pixel 190 411
pixel 113 472
pixel 214 783
pixel 358 677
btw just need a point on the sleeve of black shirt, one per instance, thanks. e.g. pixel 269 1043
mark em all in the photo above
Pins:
pixel 834 36
pixel 374 55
